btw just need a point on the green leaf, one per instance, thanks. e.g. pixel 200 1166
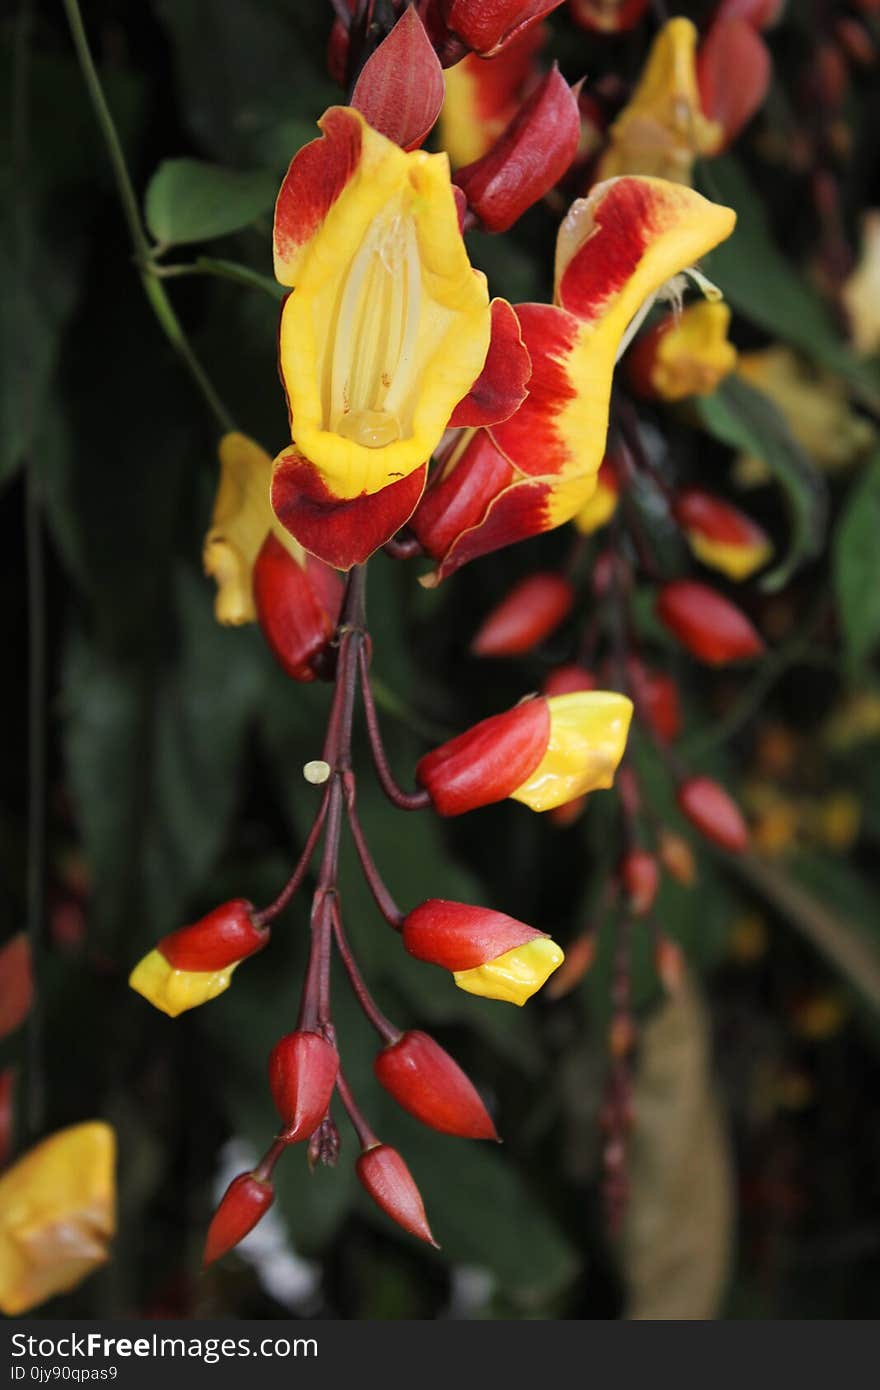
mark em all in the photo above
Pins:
pixel 761 284
pixel 190 200
pixel 744 418
pixel 856 561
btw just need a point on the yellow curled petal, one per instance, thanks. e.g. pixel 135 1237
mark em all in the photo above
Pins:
pixel 588 733
pixel 694 355
pixel 663 128
pixel 388 326
pixel 738 562
pixel 57 1215
pixel 598 511
pixel 241 521
pixel 175 991
pixel 515 976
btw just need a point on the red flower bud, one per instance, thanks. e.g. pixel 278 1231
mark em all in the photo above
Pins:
pixel 488 761
pixel 400 87
pixel 302 1074
pixel 714 813
pixel 656 699
pixel 297 606
pixel 532 155
pixel 640 876
pixel 608 16
pixel 244 1202
pixel 488 25
pixel 720 534
pixel 567 680
pixel 460 937
pixel 458 500
pixel 430 1085
pixel 390 1184
pixel 734 69
pixel 531 611
pixel 712 628
pixel 223 937
pixel 16 983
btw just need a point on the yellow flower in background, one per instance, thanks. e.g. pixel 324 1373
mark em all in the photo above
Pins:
pixel 57 1215
pixel 662 129
pixel 241 521
pixel 588 733
pixel 861 292
pixel 689 354
pixel 514 976
pixel 816 408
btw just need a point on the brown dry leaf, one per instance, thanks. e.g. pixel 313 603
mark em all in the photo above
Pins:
pixel 678 1228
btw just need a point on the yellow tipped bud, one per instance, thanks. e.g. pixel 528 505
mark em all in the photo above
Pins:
pixel 175 991
pixel 514 976
pixel 588 733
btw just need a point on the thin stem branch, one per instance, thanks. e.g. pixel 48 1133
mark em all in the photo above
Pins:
pixel 268 914
pixel 386 1030
pixel 406 801
pixel 376 884
pixel 153 289
pixel 366 1138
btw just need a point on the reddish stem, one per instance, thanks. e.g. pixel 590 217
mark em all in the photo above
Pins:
pixel 376 884
pixel 406 801
pixel 386 1030
pixel 268 914
pixel 366 1138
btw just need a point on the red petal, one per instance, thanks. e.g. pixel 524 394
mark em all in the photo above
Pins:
pixel 316 177
pixel 734 69
pixel 502 385
pixel 568 680
pixel 531 611
pixel 294 621
pixel 16 983
pixel 717 520
pixel 458 936
pixel 460 492
pixel 400 88
pixel 219 939
pixel 488 761
pixel 520 511
pixel 530 438
pixel 527 160
pixel 340 531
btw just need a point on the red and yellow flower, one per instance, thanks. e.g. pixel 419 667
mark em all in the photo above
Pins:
pixel 194 964
pixel 687 354
pixel 488 953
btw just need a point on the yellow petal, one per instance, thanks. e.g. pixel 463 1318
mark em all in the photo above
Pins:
pixel 598 511
pixel 694 354
pixel 515 976
pixel 663 128
pixel 175 991
pixel 587 739
pixel 388 326
pixel 57 1215
pixel 241 520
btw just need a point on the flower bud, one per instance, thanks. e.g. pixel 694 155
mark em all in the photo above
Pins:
pixel 533 609
pixel 640 876
pixel 734 69
pixel 488 953
pixel 720 535
pixel 656 699
pixel 195 963
pixel 567 680
pixel 485 26
pixel 531 155
pixel 297 606
pixel 602 505
pixel 245 1201
pixel 607 16
pixel 669 964
pixel 400 87
pixel 425 1080
pixel 543 752
pixel 302 1074
pixel 715 814
pixel 579 956
pixel 677 858
pixel 709 626
pixel 686 354
pixel 391 1186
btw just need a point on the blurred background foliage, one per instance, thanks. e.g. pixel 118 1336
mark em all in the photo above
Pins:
pixel 176 748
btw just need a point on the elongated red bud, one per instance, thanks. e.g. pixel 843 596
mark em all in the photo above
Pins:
pixel 297 606
pixel 734 69
pixel 709 626
pixel 489 25
pixel 567 680
pixel 720 534
pixel 244 1202
pixel 640 876
pixel 715 814
pixel 531 611
pixel 302 1074
pixel 217 940
pixel 656 699
pixel 392 1187
pixel 460 937
pixel 424 1079
pixel 488 761
pixel 528 159
pixel 400 87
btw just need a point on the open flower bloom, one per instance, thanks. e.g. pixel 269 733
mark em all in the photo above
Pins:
pixel 57 1215
pixel 662 129
pixel 616 250
pixel 488 953
pixel 543 752
pixel 260 570
pixel 386 332
pixel 195 964
pixel 687 354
